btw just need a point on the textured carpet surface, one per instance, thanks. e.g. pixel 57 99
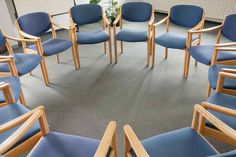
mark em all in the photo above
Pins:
pixel 152 101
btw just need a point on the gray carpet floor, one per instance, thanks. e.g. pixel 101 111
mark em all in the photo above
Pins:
pixel 152 101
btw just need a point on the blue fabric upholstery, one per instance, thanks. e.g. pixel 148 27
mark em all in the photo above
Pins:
pixel 227 154
pixel 10 112
pixel 180 143
pixel 86 14
pixel 62 145
pixel 213 72
pixel 224 100
pixel 35 23
pixel 136 11
pixel 186 15
pixel 53 46
pixel 172 40
pixel 228 29
pixel 203 54
pixel 132 35
pixel 15 87
pixel 2 40
pixel 24 63
pixel 92 37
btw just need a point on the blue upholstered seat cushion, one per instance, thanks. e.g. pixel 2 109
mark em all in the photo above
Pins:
pixel 213 76
pixel 227 154
pixel 15 87
pixel 10 112
pixel 53 46
pixel 184 142
pixel 224 100
pixel 203 54
pixel 25 63
pixel 132 35
pixel 56 144
pixel 92 37
pixel 172 40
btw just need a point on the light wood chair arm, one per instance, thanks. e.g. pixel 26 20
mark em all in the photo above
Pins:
pixel 5 87
pixel 205 30
pixel 107 22
pixel 21 40
pixel 6 58
pixel 151 21
pixel 60 26
pixel 198 26
pixel 107 141
pixel 117 20
pixel 217 108
pixel 18 134
pixel 26 35
pixel 135 142
pixel 227 74
pixel 161 22
pixel 229 70
pixel 225 44
pixel 232 49
pixel 221 77
pixel 228 131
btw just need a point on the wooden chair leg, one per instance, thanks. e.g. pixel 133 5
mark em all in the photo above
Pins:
pixel 153 54
pixel 58 59
pixel 44 71
pixel 166 53
pixel 186 64
pixel 105 47
pixel 22 98
pixel 195 62
pixel 30 74
pixel 75 57
pixel 208 92
pixel 115 50
pixel 148 52
pixel 121 47
pixel 110 50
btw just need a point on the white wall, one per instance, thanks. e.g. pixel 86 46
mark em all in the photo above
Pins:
pixel 6 24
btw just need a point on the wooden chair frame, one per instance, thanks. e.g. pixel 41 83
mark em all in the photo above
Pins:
pixel 200 116
pixel 38 42
pixel 105 24
pixel 150 34
pixel 6 147
pixel 189 41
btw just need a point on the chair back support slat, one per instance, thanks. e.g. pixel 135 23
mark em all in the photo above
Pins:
pixel 35 24
pixel 136 11
pixel 86 14
pixel 186 15
pixel 229 27
pixel 2 40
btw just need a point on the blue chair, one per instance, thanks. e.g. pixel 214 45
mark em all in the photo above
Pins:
pixel 24 63
pixel 187 16
pixel 221 53
pixel 32 26
pixel 89 14
pixel 55 144
pixel 8 114
pixel 134 12
pixel 185 142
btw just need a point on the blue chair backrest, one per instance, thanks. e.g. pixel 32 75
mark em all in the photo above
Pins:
pixel 2 40
pixel 136 11
pixel 229 27
pixel 35 24
pixel 86 14
pixel 186 15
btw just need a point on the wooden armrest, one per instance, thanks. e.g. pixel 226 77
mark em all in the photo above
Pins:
pixel 228 131
pixel 26 35
pixel 226 74
pixel 198 26
pixel 217 108
pixel 60 26
pixel 9 98
pixel 106 141
pixel 206 30
pixel 6 58
pixel 151 21
pixel 21 40
pixel 107 22
pixel 232 49
pixel 229 70
pixel 225 44
pixel 162 21
pixel 135 142
pixel 20 132
pixel 117 20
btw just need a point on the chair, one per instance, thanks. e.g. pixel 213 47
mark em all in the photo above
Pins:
pixel 187 16
pixel 33 25
pixel 134 12
pixel 185 142
pixel 89 14
pixel 222 53
pixel 55 144
pixel 8 113
pixel 13 80
pixel 24 63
